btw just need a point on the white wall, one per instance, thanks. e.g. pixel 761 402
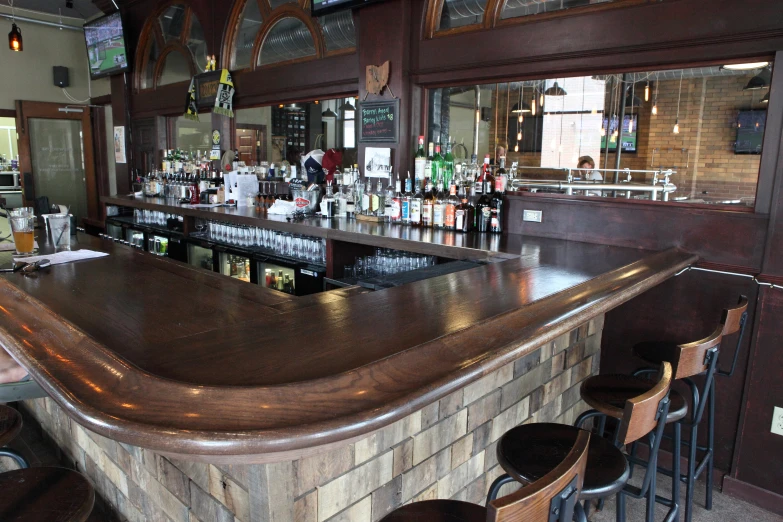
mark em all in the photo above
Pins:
pixel 27 75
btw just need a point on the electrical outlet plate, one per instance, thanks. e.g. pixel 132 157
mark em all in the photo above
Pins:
pixel 532 215
pixel 777 421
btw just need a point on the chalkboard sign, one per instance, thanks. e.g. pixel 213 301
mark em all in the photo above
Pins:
pixel 379 121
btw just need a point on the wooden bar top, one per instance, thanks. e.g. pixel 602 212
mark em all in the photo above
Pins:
pixel 186 362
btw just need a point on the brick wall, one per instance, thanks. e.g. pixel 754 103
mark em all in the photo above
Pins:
pixel 703 152
pixel 445 450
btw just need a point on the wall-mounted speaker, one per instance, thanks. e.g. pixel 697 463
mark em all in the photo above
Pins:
pixel 60 76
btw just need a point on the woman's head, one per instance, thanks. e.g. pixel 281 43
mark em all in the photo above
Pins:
pixel 585 162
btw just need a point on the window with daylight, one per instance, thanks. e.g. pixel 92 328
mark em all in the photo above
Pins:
pixel 692 135
pixel 175 33
pixel 269 32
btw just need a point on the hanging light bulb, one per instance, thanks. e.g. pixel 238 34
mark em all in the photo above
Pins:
pixel 519 136
pixel 655 110
pixel 676 129
pixel 541 100
pixel 647 92
pixel 630 125
pixel 15 38
pixel 516 147
pixel 533 107
pixel 316 102
pixel 521 118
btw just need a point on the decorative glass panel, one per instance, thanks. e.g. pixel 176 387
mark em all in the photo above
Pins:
pixel 249 25
pixel 339 31
pixel 176 69
pixel 148 79
pixel 515 8
pixel 171 22
pixel 197 43
pixel 274 4
pixel 458 13
pixel 679 135
pixel 289 39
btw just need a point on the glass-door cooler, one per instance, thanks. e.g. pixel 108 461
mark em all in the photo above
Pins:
pixel 201 257
pixel 236 266
pixel 290 277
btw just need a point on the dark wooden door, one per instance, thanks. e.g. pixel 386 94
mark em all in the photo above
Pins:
pixel 56 157
pixel 251 143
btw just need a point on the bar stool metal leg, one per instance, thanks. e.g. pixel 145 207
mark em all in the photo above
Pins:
pixel 20 460
pixel 710 446
pixel 676 455
pixel 690 480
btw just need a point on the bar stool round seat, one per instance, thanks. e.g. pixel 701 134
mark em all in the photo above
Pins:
pixel 530 451
pixel 438 511
pixel 609 393
pixel 10 424
pixel 53 494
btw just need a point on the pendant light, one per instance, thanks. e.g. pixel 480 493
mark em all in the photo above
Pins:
pixel 15 36
pixel 647 91
pixel 630 119
pixel 533 106
pixel 347 106
pixel 655 101
pixel 328 113
pixel 555 90
pixel 676 129
pixel 760 81
pixel 15 39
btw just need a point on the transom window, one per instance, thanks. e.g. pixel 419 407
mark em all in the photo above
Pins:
pixel 172 47
pixel 269 32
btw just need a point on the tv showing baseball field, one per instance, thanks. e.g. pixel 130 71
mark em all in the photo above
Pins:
pixel 106 46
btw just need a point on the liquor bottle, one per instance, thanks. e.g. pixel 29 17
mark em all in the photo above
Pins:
pixel 439 209
pixel 428 164
pixel 484 175
pixel 268 277
pixel 437 165
pixel 329 201
pixel 405 202
pixel 367 209
pixel 448 165
pixel 496 205
pixel 417 202
pixel 465 214
pixel 484 208
pixel 501 176
pixel 428 202
pixel 378 207
pixel 397 202
pixel 420 162
pixel 450 215
pixel 388 200
pixel 280 281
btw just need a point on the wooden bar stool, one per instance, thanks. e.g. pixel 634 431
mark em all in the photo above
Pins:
pixel 552 498
pixel 10 426
pixel 45 494
pixel 529 451
pixel 732 321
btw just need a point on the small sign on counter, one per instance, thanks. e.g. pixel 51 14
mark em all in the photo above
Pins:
pixel 379 121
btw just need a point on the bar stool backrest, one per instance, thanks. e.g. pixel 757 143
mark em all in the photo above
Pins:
pixel 695 358
pixel 559 489
pixel 733 321
pixel 641 413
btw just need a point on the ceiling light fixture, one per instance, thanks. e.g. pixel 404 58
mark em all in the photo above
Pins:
pixel 329 113
pixel 347 107
pixel 647 92
pixel 745 66
pixel 655 101
pixel 15 36
pixel 760 81
pixel 555 90
pixel 676 129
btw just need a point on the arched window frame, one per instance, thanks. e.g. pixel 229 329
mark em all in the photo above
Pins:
pixel 299 10
pixel 153 31
pixel 494 11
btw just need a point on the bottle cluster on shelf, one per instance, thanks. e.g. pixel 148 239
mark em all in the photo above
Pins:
pixel 387 262
pixel 303 248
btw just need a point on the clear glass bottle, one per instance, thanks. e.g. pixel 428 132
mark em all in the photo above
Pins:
pixel 439 208
pixel 388 200
pixel 417 201
pixel 367 209
pixel 377 206
pixel 452 202
pixel 420 162
pixel 396 203
pixel 329 202
pixel 405 202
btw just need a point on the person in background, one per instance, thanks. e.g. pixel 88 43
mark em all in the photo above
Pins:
pixel 500 152
pixel 586 165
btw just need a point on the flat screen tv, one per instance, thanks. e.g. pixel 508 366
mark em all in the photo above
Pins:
pixel 322 7
pixel 106 50
pixel 750 132
pixel 627 138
